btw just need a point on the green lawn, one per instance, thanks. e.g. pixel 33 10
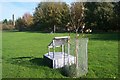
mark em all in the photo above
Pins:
pixel 22 55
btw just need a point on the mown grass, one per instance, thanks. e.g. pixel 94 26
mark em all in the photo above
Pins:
pixel 22 55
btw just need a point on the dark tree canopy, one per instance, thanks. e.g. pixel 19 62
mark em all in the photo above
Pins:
pixel 99 15
pixel 48 14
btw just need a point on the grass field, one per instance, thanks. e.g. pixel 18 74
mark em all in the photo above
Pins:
pixel 22 55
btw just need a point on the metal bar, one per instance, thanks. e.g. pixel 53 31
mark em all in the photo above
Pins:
pixel 48 51
pixel 53 49
pixel 64 54
pixel 62 48
pixel 53 54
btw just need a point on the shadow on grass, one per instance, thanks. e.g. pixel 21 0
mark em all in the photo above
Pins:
pixel 92 36
pixel 31 62
pixel 38 61
pixel 104 36
pixel 22 57
pixel 35 31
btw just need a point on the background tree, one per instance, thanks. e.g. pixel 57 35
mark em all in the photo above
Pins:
pixel 99 15
pixel 50 14
pixel 28 20
pixel 58 16
pixel 24 23
pixel 20 24
pixel 90 15
pixel 116 19
pixel 5 21
pixel 7 24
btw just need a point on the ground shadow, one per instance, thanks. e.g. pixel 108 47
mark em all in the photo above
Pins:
pixel 92 36
pixel 22 57
pixel 104 36
pixel 33 31
pixel 38 61
pixel 31 62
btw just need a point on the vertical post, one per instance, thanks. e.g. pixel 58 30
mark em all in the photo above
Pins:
pixel 76 53
pixel 54 28
pixel 53 54
pixel 86 55
pixel 62 49
pixel 68 49
pixel 53 49
pixel 68 46
pixel 13 20
pixel 63 54
pixel 48 51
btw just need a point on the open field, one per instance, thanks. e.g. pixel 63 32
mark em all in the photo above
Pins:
pixel 22 55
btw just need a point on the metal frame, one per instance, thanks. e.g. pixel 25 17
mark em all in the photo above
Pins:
pixel 53 46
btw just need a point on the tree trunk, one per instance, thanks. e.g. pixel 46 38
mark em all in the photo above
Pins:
pixel 76 52
pixel 54 28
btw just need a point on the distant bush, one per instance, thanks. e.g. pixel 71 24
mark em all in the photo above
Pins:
pixel 7 24
pixel 7 27
pixel 25 23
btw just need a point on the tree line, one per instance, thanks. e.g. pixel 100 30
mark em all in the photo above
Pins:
pixel 61 17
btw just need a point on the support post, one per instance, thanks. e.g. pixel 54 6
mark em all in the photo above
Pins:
pixel 62 49
pixel 54 28
pixel 68 49
pixel 48 51
pixel 64 54
pixel 53 54
pixel 53 49
pixel 13 19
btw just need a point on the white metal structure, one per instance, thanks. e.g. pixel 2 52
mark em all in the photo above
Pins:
pixel 59 59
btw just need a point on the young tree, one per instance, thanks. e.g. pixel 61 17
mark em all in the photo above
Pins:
pixel 77 22
pixel 77 15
